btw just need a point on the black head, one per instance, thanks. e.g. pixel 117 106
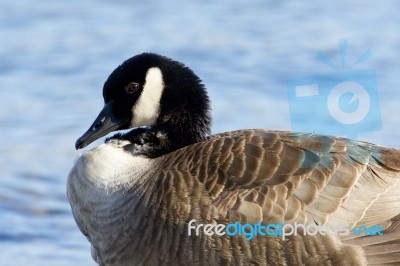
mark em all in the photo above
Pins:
pixel 152 90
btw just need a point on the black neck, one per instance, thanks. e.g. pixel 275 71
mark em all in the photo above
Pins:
pixel 156 141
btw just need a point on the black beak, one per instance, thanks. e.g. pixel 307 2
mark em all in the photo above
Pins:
pixel 104 124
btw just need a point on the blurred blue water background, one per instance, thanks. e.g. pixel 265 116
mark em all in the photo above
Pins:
pixel 56 55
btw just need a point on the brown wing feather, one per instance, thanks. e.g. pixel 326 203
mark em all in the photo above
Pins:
pixel 270 176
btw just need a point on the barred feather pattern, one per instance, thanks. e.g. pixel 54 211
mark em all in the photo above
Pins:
pixel 138 212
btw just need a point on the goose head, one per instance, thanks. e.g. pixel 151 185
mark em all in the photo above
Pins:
pixel 154 91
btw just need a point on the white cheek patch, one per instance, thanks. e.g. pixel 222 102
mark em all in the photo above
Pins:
pixel 146 110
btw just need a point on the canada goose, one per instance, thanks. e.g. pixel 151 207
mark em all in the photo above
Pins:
pixel 136 197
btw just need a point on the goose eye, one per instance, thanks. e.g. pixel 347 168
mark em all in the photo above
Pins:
pixel 131 87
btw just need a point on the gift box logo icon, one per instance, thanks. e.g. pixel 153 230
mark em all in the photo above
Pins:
pixel 344 103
